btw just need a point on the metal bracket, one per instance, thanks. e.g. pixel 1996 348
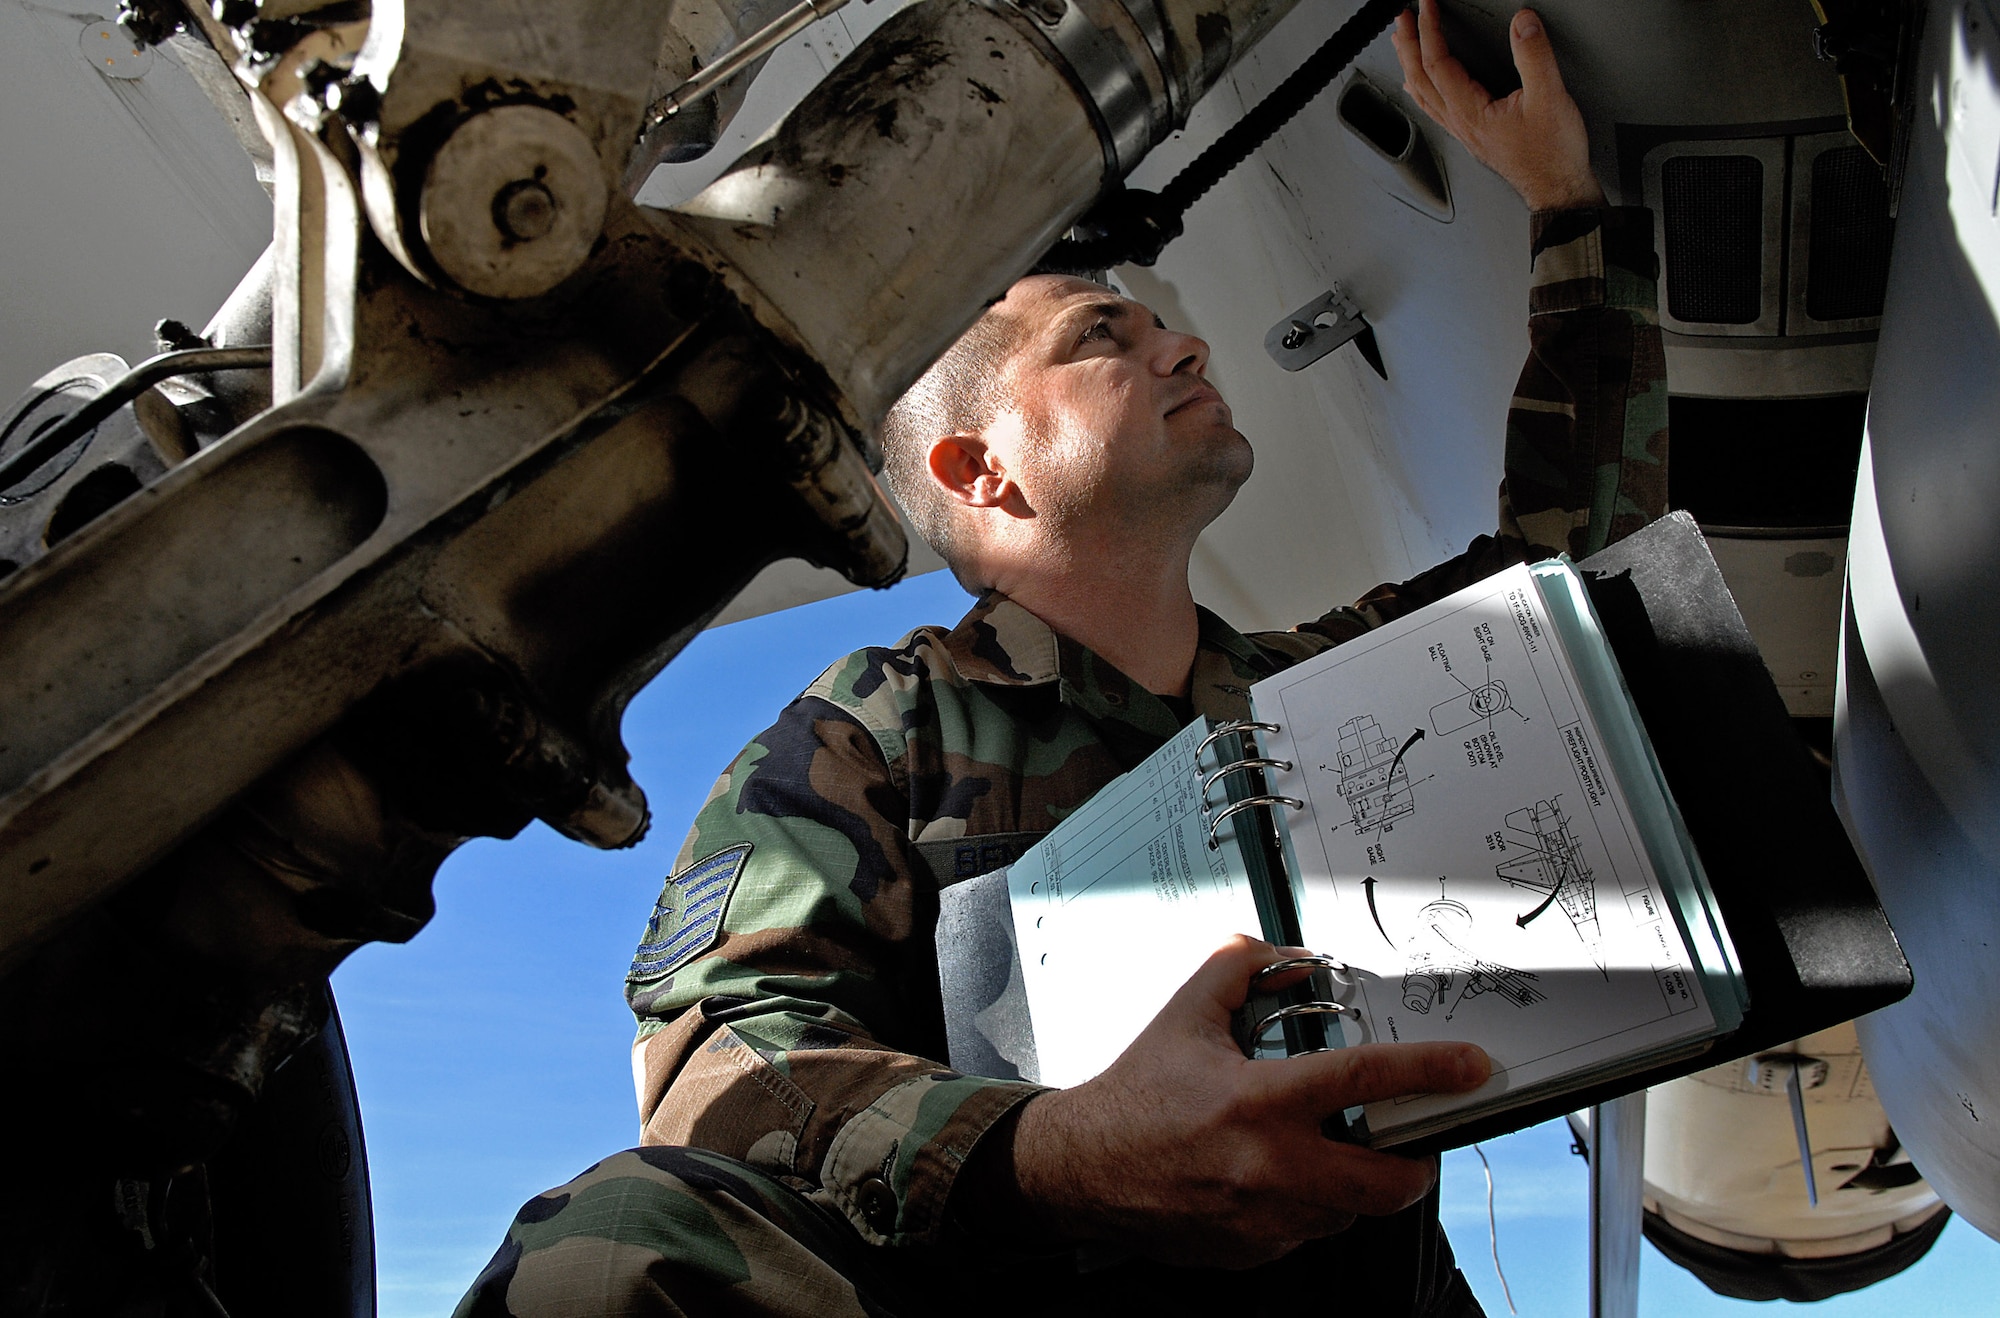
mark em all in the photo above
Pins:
pixel 1320 326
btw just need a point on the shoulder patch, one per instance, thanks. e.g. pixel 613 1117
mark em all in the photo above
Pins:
pixel 687 920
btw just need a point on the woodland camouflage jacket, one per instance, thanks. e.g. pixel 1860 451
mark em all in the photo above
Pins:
pixel 786 987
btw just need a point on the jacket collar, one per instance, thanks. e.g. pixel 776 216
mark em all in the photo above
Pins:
pixel 1000 643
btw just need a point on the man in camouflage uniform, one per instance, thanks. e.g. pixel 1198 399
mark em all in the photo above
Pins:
pixel 804 1151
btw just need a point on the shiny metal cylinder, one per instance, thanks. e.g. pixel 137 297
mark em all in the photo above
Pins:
pixel 1119 62
pixel 933 167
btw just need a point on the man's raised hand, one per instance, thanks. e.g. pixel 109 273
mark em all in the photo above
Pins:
pixel 1187 1151
pixel 1534 137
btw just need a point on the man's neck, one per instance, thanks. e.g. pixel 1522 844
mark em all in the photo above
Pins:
pixel 1142 622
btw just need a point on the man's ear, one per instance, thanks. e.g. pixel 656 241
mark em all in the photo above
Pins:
pixel 968 471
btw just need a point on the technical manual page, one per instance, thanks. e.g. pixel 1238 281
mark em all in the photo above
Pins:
pixel 1460 837
pixel 1117 907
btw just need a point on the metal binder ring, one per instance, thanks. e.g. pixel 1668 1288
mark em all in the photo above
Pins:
pixel 1224 729
pixel 1245 804
pixel 1313 1008
pixel 1255 762
pixel 1342 972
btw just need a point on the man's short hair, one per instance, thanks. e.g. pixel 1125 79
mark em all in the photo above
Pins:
pixel 962 392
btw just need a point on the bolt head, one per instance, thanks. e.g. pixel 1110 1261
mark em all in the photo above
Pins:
pixel 512 202
pixel 524 210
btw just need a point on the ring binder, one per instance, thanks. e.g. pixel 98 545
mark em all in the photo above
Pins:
pixel 1526 949
pixel 1315 1007
pixel 1342 972
pixel 1230 728
pixel 1238 766
pixel 1246 803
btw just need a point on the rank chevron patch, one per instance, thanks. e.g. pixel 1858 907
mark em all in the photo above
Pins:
pixel 687 919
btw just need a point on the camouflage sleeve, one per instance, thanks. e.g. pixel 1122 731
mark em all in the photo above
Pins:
pixel 1586 456
pixel 786 987
pixel 1587 431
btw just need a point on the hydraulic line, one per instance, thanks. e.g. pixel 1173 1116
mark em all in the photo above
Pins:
pixel 753 48
pixel 145 375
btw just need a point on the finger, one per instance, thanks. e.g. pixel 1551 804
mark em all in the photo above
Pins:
pixel 1430 27
pixel 1323 1083
pixel 1460 93
pixel 1409 53
pixel 1347 1180
pixel 1415 81
pixel 1427 101
pixel 1224 979
pixel 1534 57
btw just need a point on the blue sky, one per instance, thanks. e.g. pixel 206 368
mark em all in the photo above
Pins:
pixel 492 1052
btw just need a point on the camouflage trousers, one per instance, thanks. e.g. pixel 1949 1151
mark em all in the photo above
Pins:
pixel 675 1231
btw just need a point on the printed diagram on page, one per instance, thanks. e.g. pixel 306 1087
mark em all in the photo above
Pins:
pixel 1462 842
pixel 1372 768
pixel 1442 972
pixel 1550 860
pixel 1374 781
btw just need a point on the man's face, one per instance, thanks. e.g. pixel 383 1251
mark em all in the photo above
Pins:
pixel 1114 412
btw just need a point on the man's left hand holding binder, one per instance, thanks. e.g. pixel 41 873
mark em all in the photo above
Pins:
pixel 1186 1151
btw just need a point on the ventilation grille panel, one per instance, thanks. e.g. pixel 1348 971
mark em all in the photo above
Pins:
pixel 1849 268
pixel 1714 213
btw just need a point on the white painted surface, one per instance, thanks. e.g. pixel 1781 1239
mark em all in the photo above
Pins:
pixel 1917 751
pixel 126 200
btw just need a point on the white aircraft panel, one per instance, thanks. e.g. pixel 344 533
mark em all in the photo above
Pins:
pixel 126 201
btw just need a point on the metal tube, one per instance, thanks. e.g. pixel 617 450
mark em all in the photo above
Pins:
pixel 960 141
pixel 759 44
pixel 1617 1185
pixel 128 386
